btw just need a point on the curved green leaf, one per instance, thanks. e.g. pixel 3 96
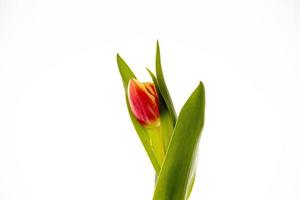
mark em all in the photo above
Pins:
pixel 166 123
pixel 126 75
pixel 125 72
pixel 163 86
pixel 176 176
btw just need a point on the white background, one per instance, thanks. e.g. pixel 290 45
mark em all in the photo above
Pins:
pixel 64 128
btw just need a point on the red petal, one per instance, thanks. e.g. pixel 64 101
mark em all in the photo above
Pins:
pixel 143 101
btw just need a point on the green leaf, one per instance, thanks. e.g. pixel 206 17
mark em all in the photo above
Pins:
pixel 176 176
pixel 125 72
pixel 191 184
pixel 126 75
pixel 163 86
pixel 166 123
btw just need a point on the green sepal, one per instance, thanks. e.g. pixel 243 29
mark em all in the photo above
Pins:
pixel 177 174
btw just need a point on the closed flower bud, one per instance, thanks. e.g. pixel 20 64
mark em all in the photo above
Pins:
pixel 143 101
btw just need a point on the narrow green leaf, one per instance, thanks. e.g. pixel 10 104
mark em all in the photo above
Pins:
pixel 125 71
pixel 178 169
pixel 191 185
pixel 126 75
pixel 163 86
pixel 143 135
pixel 156 142
pixel 166 123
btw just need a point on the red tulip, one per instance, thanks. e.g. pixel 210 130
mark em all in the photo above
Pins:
pixel 143 100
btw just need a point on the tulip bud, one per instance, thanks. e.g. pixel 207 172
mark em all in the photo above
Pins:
pixel 143 101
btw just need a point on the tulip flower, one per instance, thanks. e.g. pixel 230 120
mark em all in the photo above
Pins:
pixel 143 100
pixel 171 142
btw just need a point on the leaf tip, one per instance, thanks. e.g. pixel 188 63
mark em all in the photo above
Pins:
pixel 200 90
pixel 119 57
pixel 157 47
pixel 201 85
pixel 148 70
